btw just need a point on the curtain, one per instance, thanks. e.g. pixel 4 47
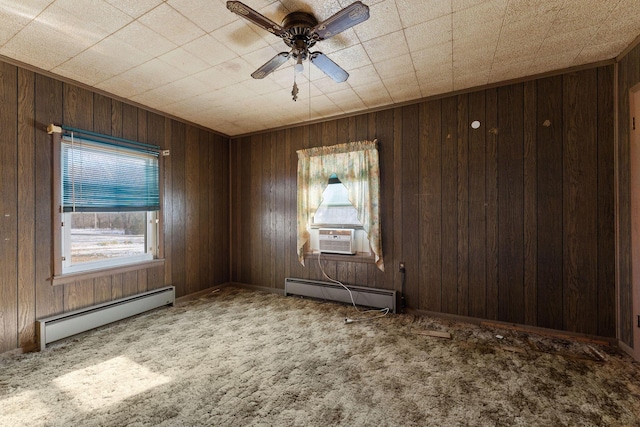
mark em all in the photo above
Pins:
pixel 356 165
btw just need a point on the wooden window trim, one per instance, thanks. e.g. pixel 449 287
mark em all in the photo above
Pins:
pixel 92 274
pixel 361 257
pixel 56 219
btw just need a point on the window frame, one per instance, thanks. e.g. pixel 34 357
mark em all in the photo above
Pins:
pixel 62 276
pixel 150 243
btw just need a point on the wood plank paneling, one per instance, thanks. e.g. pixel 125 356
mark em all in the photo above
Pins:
pixel 26 209
pixel 623 198
pixel 530 204
pixel 179 206
pixel 510 204
pixel 29 102
pixel 580 202
pixel 463 205
pixel 192 189
pixel 410 194
pixel 477 215
pixel 449 223
pixel 491 180
pixel 477 208
pixel 256 237
pixel 508 194
pixel 606 205
pixel 8 207
pixel 549 213
pixel 431 206
pixel 49 299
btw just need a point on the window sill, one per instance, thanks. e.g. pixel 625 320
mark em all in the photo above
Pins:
pixel 362 257
pixel 101 272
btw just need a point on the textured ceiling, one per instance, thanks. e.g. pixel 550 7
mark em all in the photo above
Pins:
pixel 193 58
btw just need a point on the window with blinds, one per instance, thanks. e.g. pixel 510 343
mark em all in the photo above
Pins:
pixel 110 196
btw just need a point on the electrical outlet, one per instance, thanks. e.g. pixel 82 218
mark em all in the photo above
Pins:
pixel 401 268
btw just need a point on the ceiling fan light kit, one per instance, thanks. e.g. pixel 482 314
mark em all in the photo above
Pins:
pixel 300 31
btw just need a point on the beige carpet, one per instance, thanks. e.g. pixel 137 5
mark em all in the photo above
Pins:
pixel 238 357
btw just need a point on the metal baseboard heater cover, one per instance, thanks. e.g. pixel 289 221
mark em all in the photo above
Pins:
pixel 55 328
pixel 368 297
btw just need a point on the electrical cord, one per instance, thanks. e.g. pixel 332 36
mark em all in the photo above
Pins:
pixel 383 311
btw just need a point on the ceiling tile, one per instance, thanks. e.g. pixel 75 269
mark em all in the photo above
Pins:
pixel 537 11
pixel 351 57
pixel 347 99
pixel 431 87
pixel 363 75
pixel 430 33
pixel 225 74
pixel 97 15
pixel 373 94
pixel 136 80
pixel 51 39
pixel 102 61
pixel 209 50
pixel 433 56
pixel 184 60
pixel 144 39
pixel 204 14
pixel 460 5
pixel 194 59
pixel 402 87
pixel 413 12
pixel 474 79
pixel 571 18
pixel 383 19
pixel 436 73
pixel 240 37
pixel 169 23
pixel 15 14
pixel 172 92
pixel 392 67
pixel 386 47
pixel 559 42
pixel 136 8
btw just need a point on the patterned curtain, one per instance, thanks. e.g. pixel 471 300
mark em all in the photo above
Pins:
pixel 357 167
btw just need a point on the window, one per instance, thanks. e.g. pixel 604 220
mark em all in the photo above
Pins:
pixel 336 210
pixel 109 198
pixel 324 175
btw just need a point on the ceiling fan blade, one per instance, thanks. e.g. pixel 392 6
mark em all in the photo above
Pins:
pixel 251 15
pixel 346 18
pixel 329 67
pixel 271 65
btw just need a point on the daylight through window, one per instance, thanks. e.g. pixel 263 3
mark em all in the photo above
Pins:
pixel 110 199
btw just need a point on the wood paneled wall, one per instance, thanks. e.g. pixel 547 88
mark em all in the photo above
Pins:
pixel 196 194
pixel 628 76
pixel 513 221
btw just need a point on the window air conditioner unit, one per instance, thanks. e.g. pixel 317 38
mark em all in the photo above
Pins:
pixel 337 240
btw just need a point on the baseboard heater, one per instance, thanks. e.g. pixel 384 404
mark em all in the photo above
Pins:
pixel 55 328
pixel 368 297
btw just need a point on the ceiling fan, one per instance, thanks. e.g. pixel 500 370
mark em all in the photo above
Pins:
pixel 300 31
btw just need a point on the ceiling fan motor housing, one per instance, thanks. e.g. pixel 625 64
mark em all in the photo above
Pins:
pixel 298 35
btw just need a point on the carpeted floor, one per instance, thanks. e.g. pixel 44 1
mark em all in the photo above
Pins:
pixel 238 357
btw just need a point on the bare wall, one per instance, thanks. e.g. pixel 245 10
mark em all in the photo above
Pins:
pixel 196 193
pixel 513 221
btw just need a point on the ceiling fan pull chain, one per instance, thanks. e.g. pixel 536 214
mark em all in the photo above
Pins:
pixel 294 91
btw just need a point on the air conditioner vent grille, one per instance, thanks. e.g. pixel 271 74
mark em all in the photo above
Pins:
pixel 337 240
